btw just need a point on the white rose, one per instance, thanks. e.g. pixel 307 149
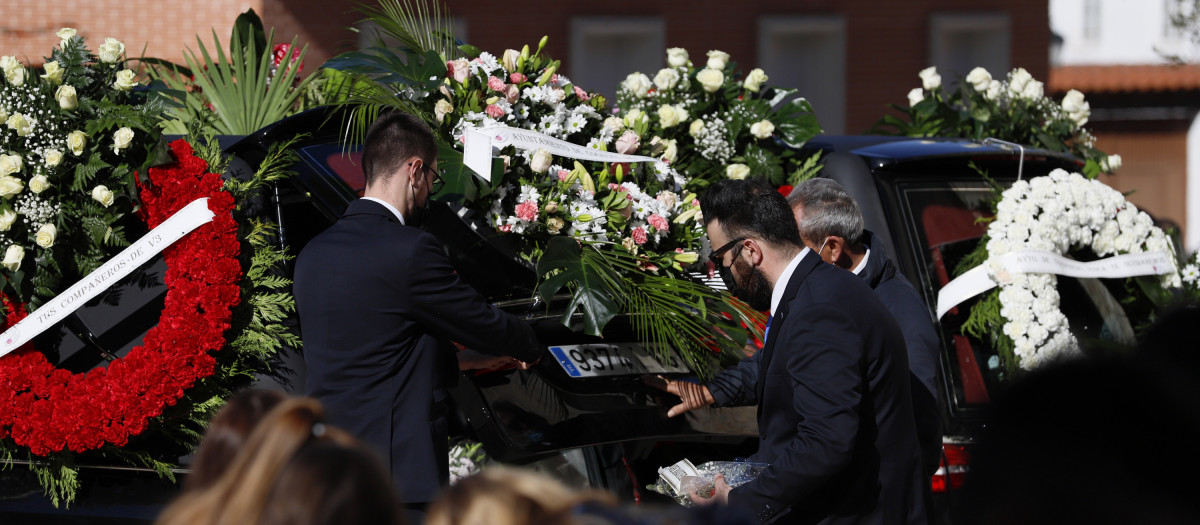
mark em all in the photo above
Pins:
pixel 541 161
pixel 1033 90
pixel 762 129
pixel 1017 80
pixel 980 79
pixel 10 186
pixel 666 79
pixel 915 96
pixel 717 59
pixel 65 95
pixel 14 71
pixel 45 235
pixel 510 59
pixel 7 217
pixel 672 150
pixel 993 90
pixel 636 83
pixel 19 123
pixel 1077 109
pixel 103 195
pixel 711 79
pixel 54 72
pixel 1111 163
pixel 737 171
pixel 633 117
pixel 125 80
pixel 111 50
pixel 121 139
pixel 441 109
pixel 76 140
pixel 669 115
pixel 10 164
pixel 754 80
pixel 39 183
pixel 930 79
pixel 65 35
pixel 13 257
pixel 696 128
pixel 613 124
pixel 677 57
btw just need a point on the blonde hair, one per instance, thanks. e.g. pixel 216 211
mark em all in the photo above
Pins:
pixel 243 491
pixel 509 496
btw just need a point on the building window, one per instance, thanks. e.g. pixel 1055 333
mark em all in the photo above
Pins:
pixel 808 53
pixel 1091 20
pixel 962 42
pixel 604 50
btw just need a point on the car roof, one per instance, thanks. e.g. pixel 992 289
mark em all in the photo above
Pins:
pixel 881 151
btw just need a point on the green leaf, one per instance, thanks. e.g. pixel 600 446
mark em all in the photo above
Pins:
pixel 797 122
pixel 563 263
pixel 250 27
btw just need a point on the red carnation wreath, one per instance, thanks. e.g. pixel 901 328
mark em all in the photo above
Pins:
pixel 48 409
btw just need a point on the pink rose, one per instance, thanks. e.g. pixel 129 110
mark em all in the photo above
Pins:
pixel 458 69
pixel 513 94
pixel 628 143
pixel 581 94
pixel 517 78
pixel 658 222
pixel 505 228
pixel 527 211
pixel 639 235
pixel 495 84
pixel 563 174
pixel 494 111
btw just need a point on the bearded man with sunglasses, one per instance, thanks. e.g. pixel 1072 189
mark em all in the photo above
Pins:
pixel 379 305
pixel 831 381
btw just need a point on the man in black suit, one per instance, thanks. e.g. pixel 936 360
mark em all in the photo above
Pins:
pixel 379 305
pixel 831 223
pixel 831 381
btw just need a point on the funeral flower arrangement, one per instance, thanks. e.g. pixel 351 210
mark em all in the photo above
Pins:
pixel 1014 109
pixel 713 123
pixel 85 172
pixel 1060 213
pixel 618 237
pixel 1073 215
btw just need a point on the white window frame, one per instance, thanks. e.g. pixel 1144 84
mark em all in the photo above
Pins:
pixel 831 111
pixel 584 28
pixel 943 24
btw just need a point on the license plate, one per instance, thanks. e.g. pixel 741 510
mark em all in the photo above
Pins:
pixel 610 360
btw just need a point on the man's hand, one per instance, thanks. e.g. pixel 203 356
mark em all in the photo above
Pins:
pixel 471 360
pixel 691 395
pixel 720 493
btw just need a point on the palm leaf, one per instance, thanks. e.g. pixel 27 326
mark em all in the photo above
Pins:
pixel 417 25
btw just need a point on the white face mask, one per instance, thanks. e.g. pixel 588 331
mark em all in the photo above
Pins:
pixel 822 248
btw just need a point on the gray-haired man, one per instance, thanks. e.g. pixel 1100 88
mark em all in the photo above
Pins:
pixel 832 225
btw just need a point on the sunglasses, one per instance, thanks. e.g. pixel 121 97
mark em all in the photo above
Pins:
pixel 438 181
pixel 718 253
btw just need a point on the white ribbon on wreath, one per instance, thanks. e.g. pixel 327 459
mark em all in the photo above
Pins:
pixel 1037 223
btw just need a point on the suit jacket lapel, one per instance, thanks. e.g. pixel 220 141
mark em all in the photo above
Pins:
pixel 806 266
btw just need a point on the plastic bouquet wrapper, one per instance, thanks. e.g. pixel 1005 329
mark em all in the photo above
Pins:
pixel 683 477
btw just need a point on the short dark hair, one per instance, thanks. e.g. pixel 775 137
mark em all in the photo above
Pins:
pixel 828 211
pixel 750 208
pixel 392 139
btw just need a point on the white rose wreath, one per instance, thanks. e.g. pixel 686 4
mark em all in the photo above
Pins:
pixel 1060 213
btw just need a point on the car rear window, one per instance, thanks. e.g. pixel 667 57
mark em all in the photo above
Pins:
pixel 945 221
